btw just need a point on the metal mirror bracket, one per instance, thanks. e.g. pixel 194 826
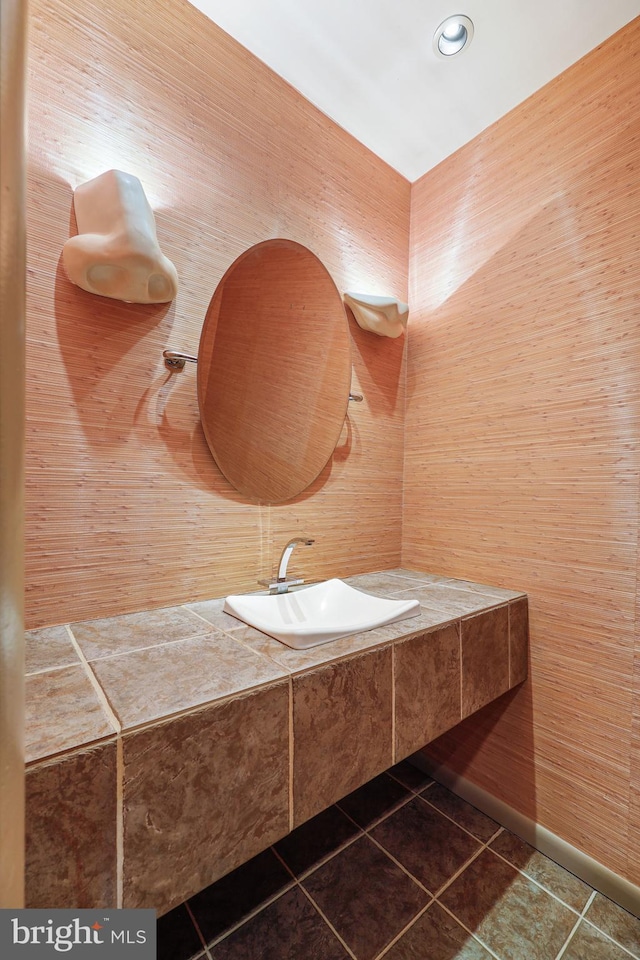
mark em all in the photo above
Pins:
pixel 174 360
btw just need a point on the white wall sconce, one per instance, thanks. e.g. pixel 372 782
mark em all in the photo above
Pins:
pixel 116 252
pixel 383 316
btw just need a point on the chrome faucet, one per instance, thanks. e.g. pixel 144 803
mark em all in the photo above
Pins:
pixel 282 583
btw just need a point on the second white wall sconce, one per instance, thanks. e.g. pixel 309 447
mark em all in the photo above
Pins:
pixel 381 315
pixel 116 252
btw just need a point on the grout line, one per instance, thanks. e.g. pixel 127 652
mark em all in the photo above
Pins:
pixel 603 932
pixel 404 930
pixel 460 665
pixel 152 646
pixel 509 643
pixel 284 864
pixel 160 721
pixel 119 822
pixel 252 913
pixel 327 921
pixel 106 706
pixel 285 671
pixel 459 825
pixel 291 756
pixel 589 902
pixel 320 863
pixel 197 929
pixel 569 939
pixel 102 697
pixel 616 943
pixel 56 669
pixel 575 927
pixel 404 869
pixel 538 883
pixel 473 935
pixel 460 870
pixel 375 823
pixel 185 606
pixel 393 703
pixel 414 790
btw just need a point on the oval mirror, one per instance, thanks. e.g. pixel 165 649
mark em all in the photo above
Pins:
pixel 274 371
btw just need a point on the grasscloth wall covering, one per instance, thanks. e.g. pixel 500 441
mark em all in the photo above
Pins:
pixel 523 387
pixel 522 435
pixel 126 508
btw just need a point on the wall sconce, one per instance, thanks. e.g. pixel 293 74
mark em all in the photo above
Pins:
pixel 116 252
pixel 381 315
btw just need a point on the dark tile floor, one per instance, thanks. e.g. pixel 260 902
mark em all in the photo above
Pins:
pixel 405 870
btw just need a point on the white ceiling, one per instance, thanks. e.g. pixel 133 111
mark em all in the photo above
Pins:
pixel 369 64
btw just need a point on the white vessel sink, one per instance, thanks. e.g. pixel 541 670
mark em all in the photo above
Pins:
pixel 319 613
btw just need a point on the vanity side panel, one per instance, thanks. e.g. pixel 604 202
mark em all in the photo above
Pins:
pixel 518 641
pixel 203 793
pixel 342 730
pixel 71 831
pixel 427 688
pixel 485 658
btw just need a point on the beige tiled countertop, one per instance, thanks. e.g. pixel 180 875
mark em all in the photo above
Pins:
pixel 214 740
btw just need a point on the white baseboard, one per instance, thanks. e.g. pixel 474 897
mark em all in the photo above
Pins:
pixel 616 888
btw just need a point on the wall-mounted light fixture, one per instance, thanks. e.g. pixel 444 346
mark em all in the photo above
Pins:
pixel 116 252
pixel 381 315
pixel 453 36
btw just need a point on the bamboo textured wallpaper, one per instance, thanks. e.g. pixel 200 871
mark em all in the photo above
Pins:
pixel 126 509
pixel 522 435
pixel 521 428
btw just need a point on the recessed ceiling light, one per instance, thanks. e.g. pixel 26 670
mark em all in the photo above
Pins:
pixel 453 35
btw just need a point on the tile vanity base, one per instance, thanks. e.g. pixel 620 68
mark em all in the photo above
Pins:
pixel 205 773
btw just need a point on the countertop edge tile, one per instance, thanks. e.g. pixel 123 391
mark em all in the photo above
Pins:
pixel 281 658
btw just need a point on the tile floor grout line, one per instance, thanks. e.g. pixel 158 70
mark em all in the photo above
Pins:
pixel 607 936
pixel 459 871
pixel 404 869
pixel 414 791
pixel 251 914
pixel 473 935
pixel 327 921
pixel 376 823
pixel 385 949
pixel 485 842
pixel 321 863
pixel 366 831
pixel 197 929
pixel 284 864
pixel 576 926
pixel 590 900
pixel 567 942
pixel 433 898
pixel 537 883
